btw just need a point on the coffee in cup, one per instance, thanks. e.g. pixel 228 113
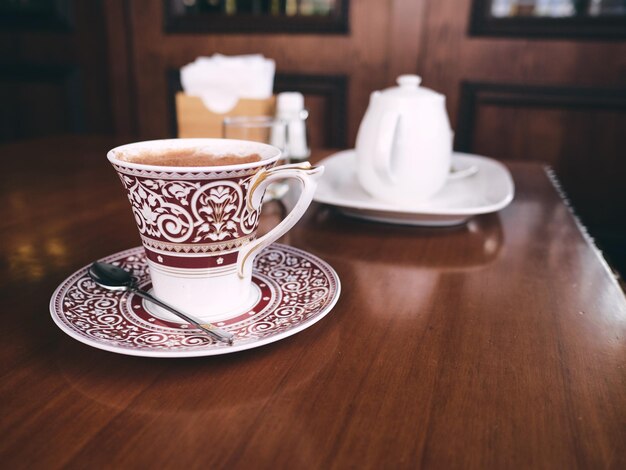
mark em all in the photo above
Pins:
pixel 185 157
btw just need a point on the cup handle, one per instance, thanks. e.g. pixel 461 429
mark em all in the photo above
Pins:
pixel 303 172
pixel 384 146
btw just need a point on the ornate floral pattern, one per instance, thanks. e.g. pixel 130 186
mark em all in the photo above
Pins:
pixel 194 212
pixel 296 290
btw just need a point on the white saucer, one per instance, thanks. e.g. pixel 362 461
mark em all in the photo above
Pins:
pixel 487 187
pixel 297 289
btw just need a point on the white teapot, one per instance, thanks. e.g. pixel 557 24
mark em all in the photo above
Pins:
pixel 404 143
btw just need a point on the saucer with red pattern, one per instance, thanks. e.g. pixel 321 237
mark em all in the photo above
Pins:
pixel 295 289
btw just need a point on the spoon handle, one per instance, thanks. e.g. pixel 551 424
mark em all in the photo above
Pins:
pixel 212 330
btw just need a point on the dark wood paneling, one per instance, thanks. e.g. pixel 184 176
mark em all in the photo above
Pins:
pixel 324 95
pixel 37 16
pixel 578 131
pixel 121 68
pixel 40 100
pixel 475 95
pixel 56 80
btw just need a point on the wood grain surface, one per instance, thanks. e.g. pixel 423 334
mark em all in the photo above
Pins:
pixel 497 344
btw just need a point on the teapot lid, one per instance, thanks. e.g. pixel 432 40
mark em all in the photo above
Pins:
pixel 409 87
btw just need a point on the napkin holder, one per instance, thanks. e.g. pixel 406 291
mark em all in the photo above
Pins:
pixel 196 120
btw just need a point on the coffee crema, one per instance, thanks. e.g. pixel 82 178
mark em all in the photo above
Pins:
pixel 185 157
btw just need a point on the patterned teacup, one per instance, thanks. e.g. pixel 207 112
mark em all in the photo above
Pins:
pixel 198 224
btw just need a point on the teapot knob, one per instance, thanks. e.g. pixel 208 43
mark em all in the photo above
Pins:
pixel 409 81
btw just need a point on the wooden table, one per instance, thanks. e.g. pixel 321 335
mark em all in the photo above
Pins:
pixel 499 344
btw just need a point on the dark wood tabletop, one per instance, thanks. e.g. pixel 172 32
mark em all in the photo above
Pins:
pixel 497 344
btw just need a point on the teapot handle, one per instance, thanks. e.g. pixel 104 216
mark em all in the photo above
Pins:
pixel 384 146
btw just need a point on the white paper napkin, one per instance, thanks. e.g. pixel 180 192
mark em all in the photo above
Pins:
pixel 220 81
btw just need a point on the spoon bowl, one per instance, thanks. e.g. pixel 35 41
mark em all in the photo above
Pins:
pixel 111 277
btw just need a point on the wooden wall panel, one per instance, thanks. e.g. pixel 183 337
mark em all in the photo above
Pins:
pixel 39 101
pixel 37 59
pixel 577 131
pixel 317 122
pixel 121 69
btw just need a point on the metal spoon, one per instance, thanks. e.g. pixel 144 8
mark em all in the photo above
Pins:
pixel 115 278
